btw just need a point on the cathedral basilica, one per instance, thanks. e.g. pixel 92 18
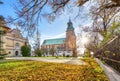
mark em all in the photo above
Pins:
pixel 62 46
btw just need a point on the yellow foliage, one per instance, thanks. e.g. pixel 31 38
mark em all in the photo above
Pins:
pixel 44 71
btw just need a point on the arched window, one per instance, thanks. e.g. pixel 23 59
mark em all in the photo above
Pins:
pixel 17 45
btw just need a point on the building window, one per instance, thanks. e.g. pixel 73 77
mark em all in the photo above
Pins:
pixel 25 43
pixel 9 52
pixel 17 45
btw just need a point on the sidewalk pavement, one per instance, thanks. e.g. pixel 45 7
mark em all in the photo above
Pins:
pixel 110 72
pixel 74 61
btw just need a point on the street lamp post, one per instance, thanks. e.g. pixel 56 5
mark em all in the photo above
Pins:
pixel 92 53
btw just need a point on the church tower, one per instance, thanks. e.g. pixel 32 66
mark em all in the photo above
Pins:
pixel 70 39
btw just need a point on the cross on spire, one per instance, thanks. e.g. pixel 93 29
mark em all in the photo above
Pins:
pixel 69 19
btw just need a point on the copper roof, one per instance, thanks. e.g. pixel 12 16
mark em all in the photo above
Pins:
pixel 54 41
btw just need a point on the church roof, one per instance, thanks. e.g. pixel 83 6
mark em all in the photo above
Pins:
pixel 54 41
pixel 70 25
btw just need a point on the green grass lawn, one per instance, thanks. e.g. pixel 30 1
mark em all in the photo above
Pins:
pixel 43 71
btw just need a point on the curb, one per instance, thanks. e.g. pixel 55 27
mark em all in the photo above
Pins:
pixel 112 75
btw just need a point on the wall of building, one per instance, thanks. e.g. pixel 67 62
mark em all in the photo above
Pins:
pixel 10 42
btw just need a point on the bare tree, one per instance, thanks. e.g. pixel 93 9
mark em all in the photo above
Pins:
pixel 102 19
pixel 37 48
pixel 111 4
pixel 1 2
pixel 52 51
pixel 30 12
pixel 92 35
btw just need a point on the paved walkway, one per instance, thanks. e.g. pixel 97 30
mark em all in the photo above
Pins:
pixel 75 61
pixel 112 75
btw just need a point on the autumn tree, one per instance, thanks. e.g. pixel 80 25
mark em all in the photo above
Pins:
pixel 30 12
pixel 111 4
pixel 93 36
pixel 102 19
pixel 37 49
pixel 2 33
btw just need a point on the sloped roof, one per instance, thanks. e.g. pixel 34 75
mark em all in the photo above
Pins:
pixel 54 41
pixel 5 28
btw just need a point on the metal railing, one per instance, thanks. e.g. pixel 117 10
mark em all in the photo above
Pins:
pixel 110 53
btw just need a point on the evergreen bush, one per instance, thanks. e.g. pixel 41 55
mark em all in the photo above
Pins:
pixel 25 51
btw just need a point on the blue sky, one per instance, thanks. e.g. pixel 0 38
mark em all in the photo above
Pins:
pixel 57 28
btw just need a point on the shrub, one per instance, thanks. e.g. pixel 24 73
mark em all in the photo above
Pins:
pixel 38 52
pixel 2 56
pixel 87 53
pixel 67 56
pixel 2 53
pixel 25 50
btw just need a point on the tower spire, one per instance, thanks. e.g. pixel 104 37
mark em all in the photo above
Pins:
pixel 69 19
pixel 17 26
pixel 70 25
